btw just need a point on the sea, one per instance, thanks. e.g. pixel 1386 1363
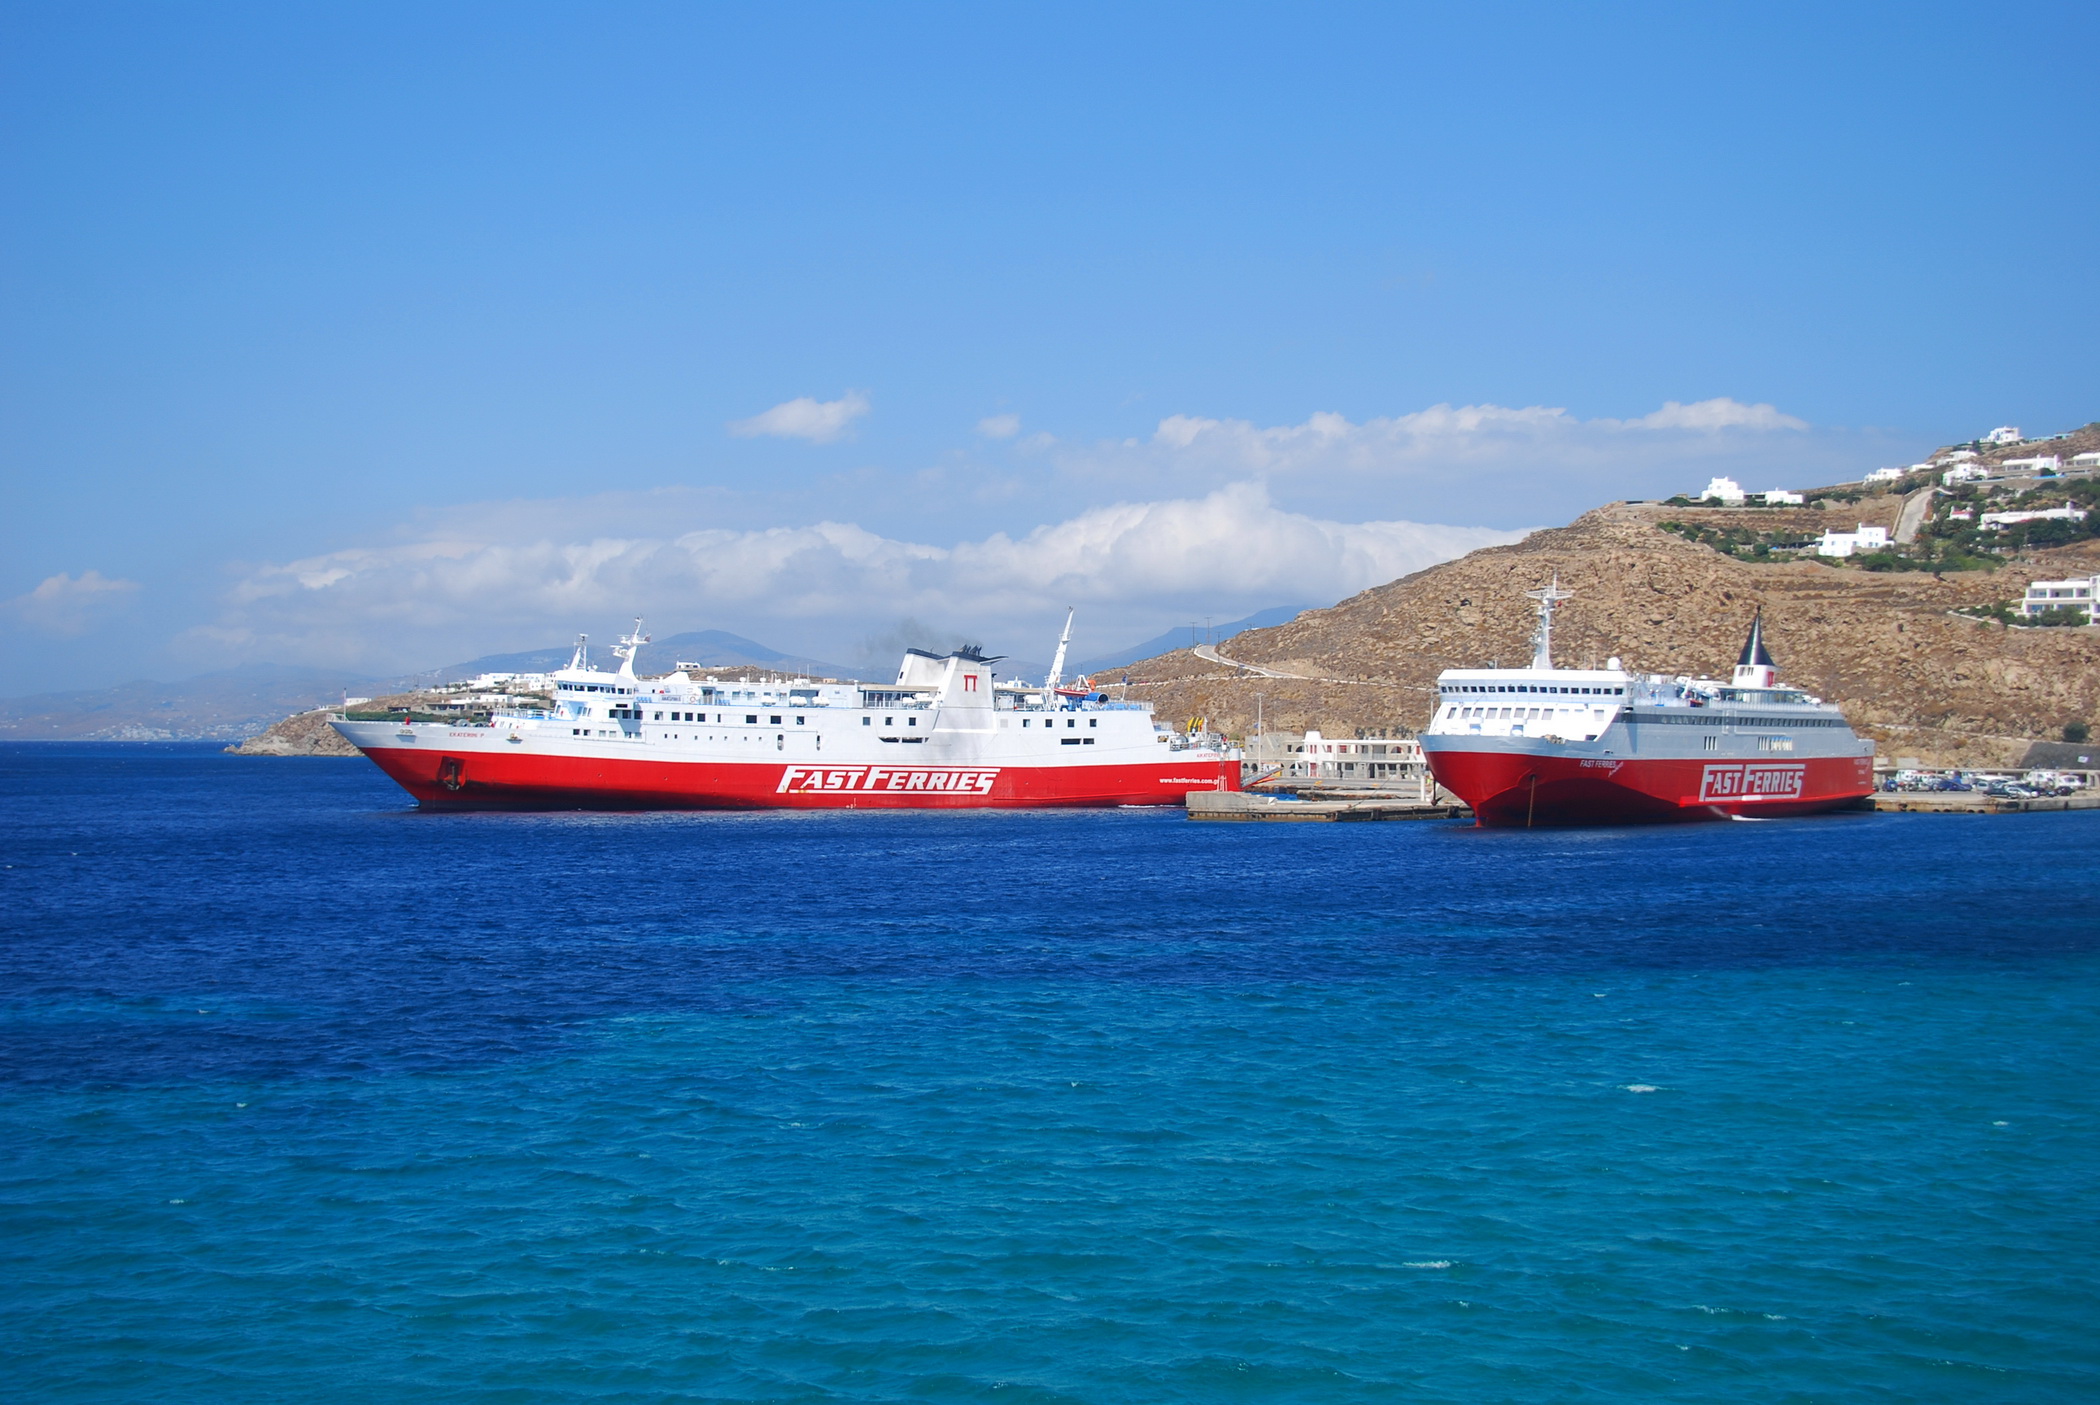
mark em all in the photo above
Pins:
pixel 308 1096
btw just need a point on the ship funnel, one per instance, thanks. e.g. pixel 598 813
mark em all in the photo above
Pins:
pixel 1755 669
pixel 1542 637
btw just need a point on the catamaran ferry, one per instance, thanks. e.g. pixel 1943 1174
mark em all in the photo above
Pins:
pixel 946 734
pixel 1546 745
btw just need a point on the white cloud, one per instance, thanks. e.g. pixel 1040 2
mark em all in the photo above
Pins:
pixel 1444 433
pixel 69 604
pixel 999 426
pixel 1714 415
pixel 1469 461
pixel 1129 567
pixel 818 421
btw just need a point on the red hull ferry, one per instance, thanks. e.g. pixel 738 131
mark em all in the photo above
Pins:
pixel 1552 746
pixel 944 735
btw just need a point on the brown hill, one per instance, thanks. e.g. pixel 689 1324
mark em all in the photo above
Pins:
pixel 1922 681
pixel 301 734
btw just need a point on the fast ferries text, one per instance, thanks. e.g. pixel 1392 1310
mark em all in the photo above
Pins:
pixel 1752 782
pixel 860 780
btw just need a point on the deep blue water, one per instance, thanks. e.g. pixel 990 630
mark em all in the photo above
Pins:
pixel 307 1096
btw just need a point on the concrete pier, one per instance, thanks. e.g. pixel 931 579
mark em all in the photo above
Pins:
pixel 1317 807
pixel 1972 802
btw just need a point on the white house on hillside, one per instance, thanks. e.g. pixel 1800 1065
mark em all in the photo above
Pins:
pixel 1724 490
pixel 2066 513
pixel 2078 593
pixel 1846 543
pixel 1780 497
pixel 2003 434
pixel 1965 473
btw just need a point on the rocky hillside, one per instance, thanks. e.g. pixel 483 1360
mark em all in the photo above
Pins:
pixel 301 734
pixel 2083 440
pixel 1922 681
pixel 308 733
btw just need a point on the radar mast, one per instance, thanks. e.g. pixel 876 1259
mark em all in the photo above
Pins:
pixel 1542 638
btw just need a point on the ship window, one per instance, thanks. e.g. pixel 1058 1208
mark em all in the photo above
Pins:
pixel 1091 722
pixel 911 721
pixel 751 717
pixel 775 720
pixel 1071 722
pixel 866 721
pixel 798 721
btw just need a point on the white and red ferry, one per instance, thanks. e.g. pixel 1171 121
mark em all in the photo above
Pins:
pixel 945 735
pixel 1545 745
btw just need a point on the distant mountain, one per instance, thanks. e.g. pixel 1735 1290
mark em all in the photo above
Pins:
pixel 711 648
pixel 241 702
pixel 222 706
pixel 718 648
pixel 1186 636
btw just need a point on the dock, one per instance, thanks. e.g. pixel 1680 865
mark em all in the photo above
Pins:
pixel 1331 807
pixel 1974 802
pixel 1315 807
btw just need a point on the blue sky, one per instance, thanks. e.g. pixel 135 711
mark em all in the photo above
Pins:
pixel 378 336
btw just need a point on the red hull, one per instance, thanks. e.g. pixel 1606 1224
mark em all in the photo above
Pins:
pixel 1511 788
pixel 486 780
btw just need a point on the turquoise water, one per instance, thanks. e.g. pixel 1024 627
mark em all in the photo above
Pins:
pixel 307 1096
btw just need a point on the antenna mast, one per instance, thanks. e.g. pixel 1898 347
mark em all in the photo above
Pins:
pixel 628 647
pixel 1542 639
pixel 1057 665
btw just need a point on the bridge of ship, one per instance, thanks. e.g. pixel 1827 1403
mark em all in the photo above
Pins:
pixel 1578 705
pixel 1567 704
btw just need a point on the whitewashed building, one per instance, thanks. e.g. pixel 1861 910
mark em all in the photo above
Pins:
pixel 2078 593
pixel 1385 762
pixel 2066 513
pixel 1780 497
pixel 1884 475
pixel 1965 473
pixel 2040 463
pixel 1846 543
pixel 1726 491
pixel 2003 434
pixel 2091 460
